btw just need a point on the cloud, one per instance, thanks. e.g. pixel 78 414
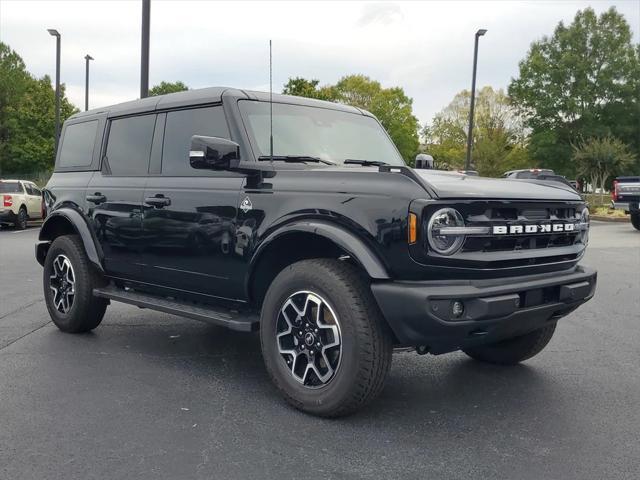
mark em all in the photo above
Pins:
pixel 383 13
pixel 424 47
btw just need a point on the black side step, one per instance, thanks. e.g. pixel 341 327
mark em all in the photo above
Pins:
pixel 243 322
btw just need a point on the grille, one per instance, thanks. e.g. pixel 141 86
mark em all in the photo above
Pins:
pixel 519 251
pixel 521 216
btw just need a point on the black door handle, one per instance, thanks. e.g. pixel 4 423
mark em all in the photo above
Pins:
pixel 158 201
pixel 96 198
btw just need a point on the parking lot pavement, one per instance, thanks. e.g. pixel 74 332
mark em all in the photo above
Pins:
pixel 149 395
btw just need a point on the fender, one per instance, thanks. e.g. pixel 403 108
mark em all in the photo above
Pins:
pixel 346 240
pixel 62 219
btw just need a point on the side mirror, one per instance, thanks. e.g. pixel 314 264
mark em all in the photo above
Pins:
pixel 213 153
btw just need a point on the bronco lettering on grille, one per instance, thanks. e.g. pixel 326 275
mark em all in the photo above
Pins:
pixel 529 229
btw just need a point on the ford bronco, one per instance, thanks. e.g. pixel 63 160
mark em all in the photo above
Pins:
pixel 300 219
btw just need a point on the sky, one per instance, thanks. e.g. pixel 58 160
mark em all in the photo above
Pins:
pixel 424 47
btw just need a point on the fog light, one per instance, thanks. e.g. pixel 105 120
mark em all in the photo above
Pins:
pixel 457 309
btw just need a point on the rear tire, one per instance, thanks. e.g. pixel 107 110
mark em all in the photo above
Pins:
pixel 635 220
pixel 21 219
pixel 69 280
pixel 334 297
pixel 513 350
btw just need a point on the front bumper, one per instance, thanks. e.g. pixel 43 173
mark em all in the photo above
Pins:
pixel 420 313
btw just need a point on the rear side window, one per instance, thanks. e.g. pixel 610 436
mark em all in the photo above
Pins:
pixel 77 144
pixel 10 187
pixel 129 145
pixel 181 125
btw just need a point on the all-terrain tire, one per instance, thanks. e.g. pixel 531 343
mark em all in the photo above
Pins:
pixel 86 311
pixel 635 220
pixel 366 339
pixel 513 350
pixel 21 219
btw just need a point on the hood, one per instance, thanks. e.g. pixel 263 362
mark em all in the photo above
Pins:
pixel 457 185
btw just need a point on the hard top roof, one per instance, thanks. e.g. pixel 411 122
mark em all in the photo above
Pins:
pixel 204 96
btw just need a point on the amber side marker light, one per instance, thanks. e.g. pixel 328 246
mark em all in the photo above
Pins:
pixel 413 228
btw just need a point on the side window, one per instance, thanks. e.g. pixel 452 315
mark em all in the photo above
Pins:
pixel 28 189
pixel 35 190
pixel 77 144
pixel 180 126
pixel 129 145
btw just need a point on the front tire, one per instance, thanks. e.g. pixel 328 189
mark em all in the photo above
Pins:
pixel 324 342
pixel 513 350
pixel 21 220
pixel 635 220
pixel 69 280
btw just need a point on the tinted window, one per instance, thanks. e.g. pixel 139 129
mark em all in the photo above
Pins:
pixel 180 127
pixel 77 144
pixel 10 187
pixel 129 145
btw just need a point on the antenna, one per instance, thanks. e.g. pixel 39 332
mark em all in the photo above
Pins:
pixel 270 103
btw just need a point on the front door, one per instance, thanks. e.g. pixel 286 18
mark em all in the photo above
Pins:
pixel 114 195
pixel 34 200
pixel 190 215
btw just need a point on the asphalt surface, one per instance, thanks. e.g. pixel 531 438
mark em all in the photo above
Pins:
pixel 149 395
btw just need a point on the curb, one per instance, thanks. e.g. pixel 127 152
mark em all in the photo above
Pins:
pixel 601 218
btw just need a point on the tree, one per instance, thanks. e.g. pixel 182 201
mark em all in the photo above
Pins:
pixel 499 134
pixel 391 105
pixel 32 128
pixel 599 159
pixel 167 87
pixel 581 82
pixel 302 87
pixel 27 116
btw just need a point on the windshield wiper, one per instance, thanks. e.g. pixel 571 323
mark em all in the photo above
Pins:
pixel 294 159
pixel 364 163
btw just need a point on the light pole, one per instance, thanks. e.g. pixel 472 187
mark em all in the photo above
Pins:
pixel 144 57
pixel 86 82
pixel 479 33
pixel 56 34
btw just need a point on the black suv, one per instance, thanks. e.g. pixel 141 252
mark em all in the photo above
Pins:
pixel 326 241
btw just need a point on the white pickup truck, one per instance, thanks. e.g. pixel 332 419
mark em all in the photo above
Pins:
pixel 20 201
pixel 625 195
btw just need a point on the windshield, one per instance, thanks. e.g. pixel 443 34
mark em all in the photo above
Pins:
pixel 331 135
pixel 10 187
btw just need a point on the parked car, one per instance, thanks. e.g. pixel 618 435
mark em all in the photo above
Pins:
pixel 21 202
pixel 335 250
pixel 625 195
pixel 540 174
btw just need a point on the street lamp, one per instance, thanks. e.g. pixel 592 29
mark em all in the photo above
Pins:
pixel 479 33
pixel 86 82
pixel 144 54
pixel 55 33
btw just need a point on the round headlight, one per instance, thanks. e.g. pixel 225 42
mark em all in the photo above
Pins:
pixel 445 244
pixel 584 225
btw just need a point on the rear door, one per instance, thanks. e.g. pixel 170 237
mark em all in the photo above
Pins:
pixel 189 215
pixel 114 195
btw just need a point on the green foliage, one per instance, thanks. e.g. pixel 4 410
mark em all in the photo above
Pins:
pixel 302 87
pixel 499 134
pixel 391 105
pixel 600 159
pixel 167 87
pixel 27 116
pixel 582 82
